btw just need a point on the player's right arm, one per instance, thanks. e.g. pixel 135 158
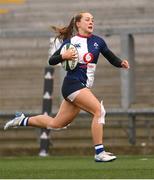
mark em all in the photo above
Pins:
pixel 57 58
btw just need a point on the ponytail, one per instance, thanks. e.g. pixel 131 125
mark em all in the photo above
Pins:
pixel 68 31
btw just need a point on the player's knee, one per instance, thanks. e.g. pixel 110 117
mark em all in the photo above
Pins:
pixel 56 125
pixel 97 113
pixel 100 114
pixel 103 111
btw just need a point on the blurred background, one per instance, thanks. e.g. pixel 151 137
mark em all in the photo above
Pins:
pixel 24 44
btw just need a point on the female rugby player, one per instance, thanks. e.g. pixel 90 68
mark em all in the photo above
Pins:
pixel 77 83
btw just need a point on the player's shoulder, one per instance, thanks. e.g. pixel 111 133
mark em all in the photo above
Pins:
pixel 100 41
pixel 66 41
pixel 98 38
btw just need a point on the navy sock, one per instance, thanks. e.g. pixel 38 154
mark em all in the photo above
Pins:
pixel 24 122
pixel 99 148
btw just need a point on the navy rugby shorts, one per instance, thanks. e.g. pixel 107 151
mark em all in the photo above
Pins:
pixel 71 87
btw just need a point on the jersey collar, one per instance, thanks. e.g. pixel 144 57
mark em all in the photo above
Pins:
pixel 84 36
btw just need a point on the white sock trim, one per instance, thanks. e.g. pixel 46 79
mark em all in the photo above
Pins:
pixel 25 121
pixel 99 146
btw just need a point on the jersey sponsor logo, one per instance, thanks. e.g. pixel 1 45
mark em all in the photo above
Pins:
pixel 91 66
pixel 88 57
pixel 84 66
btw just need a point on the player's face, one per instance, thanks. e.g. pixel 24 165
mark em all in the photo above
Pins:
pixel 86 24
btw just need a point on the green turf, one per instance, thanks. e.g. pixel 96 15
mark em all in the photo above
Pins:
pixel 73 167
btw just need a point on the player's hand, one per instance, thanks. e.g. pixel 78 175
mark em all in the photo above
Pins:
pixel 70 54
pixel 125 64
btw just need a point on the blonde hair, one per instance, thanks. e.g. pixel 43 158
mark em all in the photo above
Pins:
pixel 67 32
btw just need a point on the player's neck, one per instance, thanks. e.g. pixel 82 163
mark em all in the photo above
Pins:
pixel 84 35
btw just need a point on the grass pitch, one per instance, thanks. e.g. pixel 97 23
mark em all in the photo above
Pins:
pixel 76 167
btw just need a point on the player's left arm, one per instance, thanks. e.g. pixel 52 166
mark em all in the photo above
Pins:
pixel 114 60
pixel 111 57
pixel 125 64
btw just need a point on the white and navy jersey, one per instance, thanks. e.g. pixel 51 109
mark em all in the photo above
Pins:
pixel 89 49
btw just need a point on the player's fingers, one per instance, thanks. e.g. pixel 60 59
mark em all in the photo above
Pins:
pixel 125 64
pixel 74 57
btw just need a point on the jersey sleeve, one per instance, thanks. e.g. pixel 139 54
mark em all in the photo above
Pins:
pixel 56 58
pixel 109 55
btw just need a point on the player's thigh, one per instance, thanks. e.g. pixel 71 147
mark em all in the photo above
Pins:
pixel 87 101
pixel 66 113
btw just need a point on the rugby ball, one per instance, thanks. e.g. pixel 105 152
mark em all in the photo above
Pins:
pixel 69 64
